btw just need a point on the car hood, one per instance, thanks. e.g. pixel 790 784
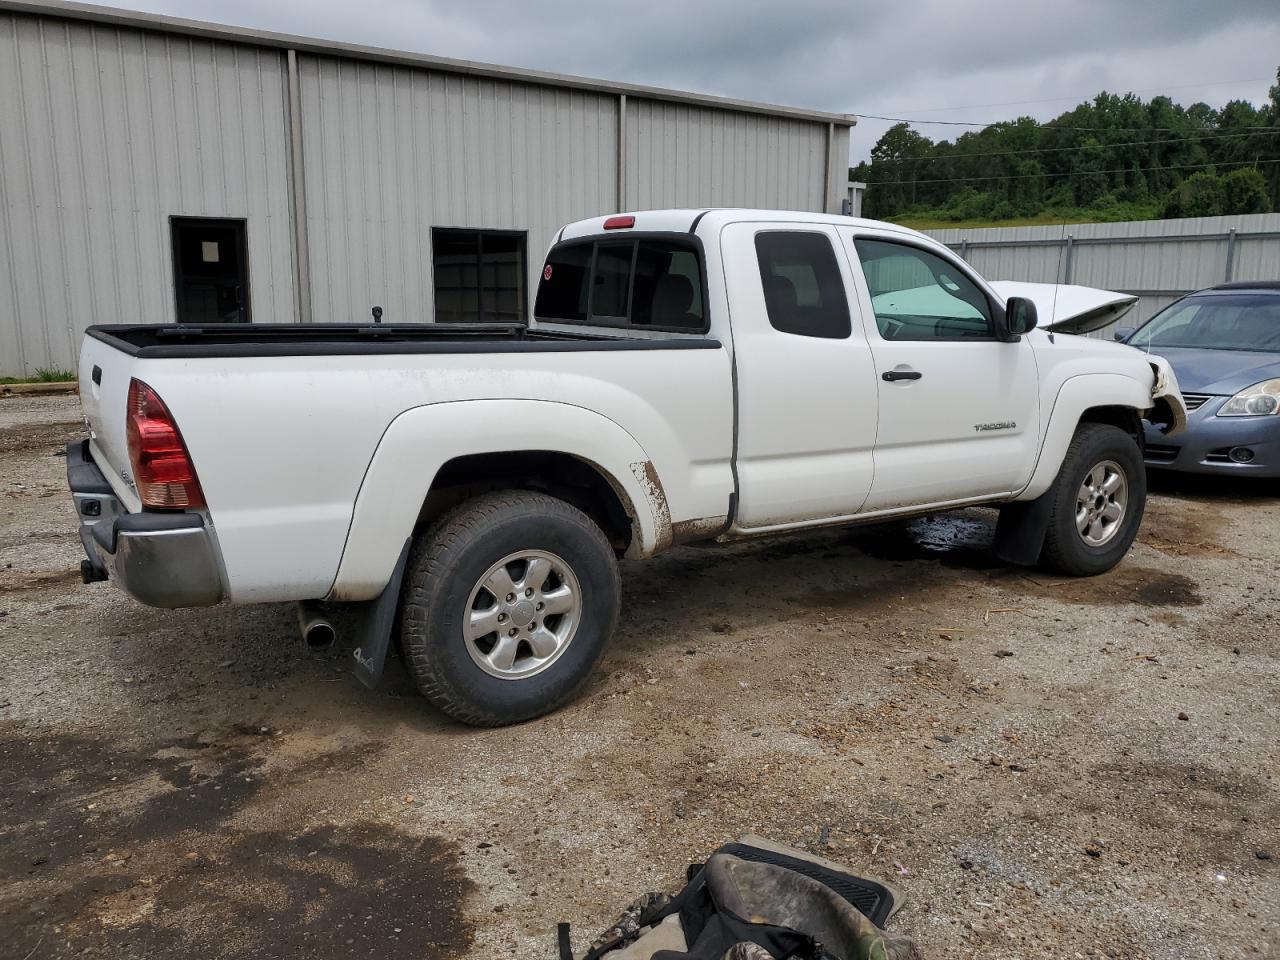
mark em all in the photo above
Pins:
pixel 1068 308
pixel 1219 372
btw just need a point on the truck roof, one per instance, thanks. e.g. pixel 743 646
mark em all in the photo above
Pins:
pixel 688 220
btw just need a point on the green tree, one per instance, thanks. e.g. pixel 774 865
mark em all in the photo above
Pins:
pixel 1137 189
pixel 1200 195
pixel 895 162
pixel 1114 156
pixel 1272 117
pixel 1245 191
pixel 1087 172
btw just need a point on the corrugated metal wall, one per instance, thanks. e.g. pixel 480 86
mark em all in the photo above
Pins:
pixel 108 130
pixel 679 155
pixel 1159 260
pixel 104 134
pixel 391 152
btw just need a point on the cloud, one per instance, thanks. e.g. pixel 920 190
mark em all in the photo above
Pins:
pixel 918 56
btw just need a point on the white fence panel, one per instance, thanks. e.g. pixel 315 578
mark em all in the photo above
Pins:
pixel 1157 260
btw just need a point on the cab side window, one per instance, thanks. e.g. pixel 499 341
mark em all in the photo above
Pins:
pixel 918 295
pixel 803 291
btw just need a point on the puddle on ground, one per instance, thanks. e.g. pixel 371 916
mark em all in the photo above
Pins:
pixel 1164 795
pixel 959 540
pixel 132 853
pixel 954 539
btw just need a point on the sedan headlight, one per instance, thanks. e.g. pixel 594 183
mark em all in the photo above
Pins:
pixel 1260 400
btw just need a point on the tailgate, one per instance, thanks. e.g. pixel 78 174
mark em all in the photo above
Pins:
pixel 105 373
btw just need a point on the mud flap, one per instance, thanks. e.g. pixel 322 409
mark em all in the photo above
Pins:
pixel 373 625
pixel 1021 530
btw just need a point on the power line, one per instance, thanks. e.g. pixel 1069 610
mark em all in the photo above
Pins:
pixel 1049 124
pixel 1268 131
pixel 1071 173
pixel 1083 96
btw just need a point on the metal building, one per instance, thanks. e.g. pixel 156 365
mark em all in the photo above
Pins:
pixel 159 170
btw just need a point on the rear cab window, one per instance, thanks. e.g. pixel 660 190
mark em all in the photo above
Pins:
pixel 639 282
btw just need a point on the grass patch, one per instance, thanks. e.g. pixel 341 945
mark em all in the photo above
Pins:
pixel 44 375
pixel 1039 220
pixel 939 219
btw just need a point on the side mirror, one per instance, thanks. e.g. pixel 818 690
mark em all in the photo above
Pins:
pixel 1019 317
pixel 1124 333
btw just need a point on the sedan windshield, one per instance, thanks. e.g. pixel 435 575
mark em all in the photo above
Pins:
pixel 1244 321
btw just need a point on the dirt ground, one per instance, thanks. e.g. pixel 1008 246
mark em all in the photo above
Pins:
pixel 1045 768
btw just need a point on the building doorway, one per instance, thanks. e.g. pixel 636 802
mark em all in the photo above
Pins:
pixel 210 270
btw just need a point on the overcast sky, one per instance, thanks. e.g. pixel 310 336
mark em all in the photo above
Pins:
pixel 927 59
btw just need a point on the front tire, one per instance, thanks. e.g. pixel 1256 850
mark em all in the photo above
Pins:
pixel 1098 502
pixel 509 601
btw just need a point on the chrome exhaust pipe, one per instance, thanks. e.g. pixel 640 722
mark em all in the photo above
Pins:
pixel 317 632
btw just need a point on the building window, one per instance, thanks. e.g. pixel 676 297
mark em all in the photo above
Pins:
pixel 652 283
pixel 479 275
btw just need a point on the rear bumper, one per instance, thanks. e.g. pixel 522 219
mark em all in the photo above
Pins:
pixel 1207 444
pixel 161 559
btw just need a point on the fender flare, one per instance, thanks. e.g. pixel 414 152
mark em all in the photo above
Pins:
pixel 1076 395
pixel 421 440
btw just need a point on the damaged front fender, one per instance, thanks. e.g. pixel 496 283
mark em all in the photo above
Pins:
pixel 1168 410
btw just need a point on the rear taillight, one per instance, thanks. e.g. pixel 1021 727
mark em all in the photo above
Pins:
pixel 162 468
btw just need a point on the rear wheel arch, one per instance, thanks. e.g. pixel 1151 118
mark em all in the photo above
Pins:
pixel 565 476
pixel 609 476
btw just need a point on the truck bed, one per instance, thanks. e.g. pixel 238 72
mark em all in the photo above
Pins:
pixel 291 427
pixel 152 341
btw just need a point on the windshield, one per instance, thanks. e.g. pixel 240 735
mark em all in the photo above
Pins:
pixel 1243 321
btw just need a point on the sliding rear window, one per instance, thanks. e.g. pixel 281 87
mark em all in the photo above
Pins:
pixel 649 283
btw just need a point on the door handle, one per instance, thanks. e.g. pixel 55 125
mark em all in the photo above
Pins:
pixel 893 375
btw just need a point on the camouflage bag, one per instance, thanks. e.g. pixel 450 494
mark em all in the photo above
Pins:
pixel 735 909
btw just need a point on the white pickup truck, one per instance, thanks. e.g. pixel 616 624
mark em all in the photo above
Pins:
pixel 687 375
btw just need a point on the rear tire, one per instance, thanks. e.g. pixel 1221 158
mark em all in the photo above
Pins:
pixel 1098 501
pixel 470 572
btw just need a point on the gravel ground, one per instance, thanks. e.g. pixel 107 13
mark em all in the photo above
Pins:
pixel 1046 768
